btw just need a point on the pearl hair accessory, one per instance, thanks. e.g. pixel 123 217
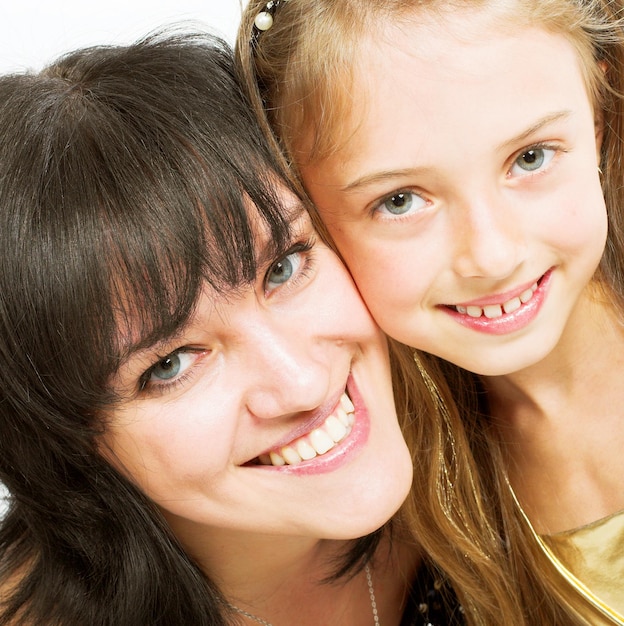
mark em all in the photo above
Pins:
pixel 264 19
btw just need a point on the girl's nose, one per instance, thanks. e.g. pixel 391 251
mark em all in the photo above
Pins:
pixel 489 242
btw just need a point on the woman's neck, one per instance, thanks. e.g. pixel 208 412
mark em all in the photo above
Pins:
pixel 561 422
pixel 255 565
pixel 284 580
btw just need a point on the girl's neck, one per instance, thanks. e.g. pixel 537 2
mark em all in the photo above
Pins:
pixel 561 422
pixel 587 358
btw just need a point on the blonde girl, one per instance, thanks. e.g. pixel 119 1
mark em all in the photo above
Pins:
pixel 465 158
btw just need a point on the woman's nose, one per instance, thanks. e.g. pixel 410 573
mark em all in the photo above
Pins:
pixel 288 371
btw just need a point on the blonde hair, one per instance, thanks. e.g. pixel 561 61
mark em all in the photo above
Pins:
pixel 299 77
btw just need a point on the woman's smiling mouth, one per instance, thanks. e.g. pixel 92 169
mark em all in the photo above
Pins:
pixel 319 441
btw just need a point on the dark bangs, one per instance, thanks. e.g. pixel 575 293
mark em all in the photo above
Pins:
pixel 125 184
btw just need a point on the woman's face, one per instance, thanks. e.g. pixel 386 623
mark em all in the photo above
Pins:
pixel 467 201
pixel 272 410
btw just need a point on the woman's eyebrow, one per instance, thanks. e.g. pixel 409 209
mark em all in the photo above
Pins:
pixel 143 347
pixel 266 252
pixel 132 347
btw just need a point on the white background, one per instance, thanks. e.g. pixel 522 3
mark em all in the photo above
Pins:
pixel 34 32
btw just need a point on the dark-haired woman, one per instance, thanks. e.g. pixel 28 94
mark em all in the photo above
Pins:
pixel 197 420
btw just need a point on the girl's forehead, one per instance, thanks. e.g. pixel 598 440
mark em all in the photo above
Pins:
pixel 412 28
pixel 443 34
pixel 464 22
pixel 430 103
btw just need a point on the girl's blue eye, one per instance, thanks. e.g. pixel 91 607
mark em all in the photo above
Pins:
pixel 399 203
pixel 402 202
pixel 532 160
pixel 283 270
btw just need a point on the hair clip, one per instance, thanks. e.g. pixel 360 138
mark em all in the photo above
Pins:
pixel 264 19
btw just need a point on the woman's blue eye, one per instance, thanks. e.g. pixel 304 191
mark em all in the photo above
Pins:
pixel 168 368
pixel 283 270
pixel 174 365
pixel 402 202
pixel 532 160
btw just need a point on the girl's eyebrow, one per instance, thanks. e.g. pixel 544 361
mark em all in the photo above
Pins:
pixel 386 175
pixel 538 125
pixel 382 176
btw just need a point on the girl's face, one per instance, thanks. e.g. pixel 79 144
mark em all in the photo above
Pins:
pixel 467 202
pixel 271 412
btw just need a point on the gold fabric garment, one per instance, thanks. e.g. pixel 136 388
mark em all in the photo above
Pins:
pixel 587 566
pixel 594 556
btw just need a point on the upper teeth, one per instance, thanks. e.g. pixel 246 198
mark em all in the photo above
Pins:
pixel 319 441
pixel 496 310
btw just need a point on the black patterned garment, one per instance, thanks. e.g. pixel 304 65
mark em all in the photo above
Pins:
pixel 431 602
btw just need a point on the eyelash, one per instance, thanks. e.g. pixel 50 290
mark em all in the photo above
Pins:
pixel 556 149
pixel 152 388
pixel 376 213
pixel 302 247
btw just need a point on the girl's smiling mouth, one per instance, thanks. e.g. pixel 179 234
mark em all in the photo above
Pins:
pixel 496 310
pixel 503 313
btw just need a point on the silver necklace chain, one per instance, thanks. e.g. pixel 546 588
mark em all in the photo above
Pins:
pixel 371 594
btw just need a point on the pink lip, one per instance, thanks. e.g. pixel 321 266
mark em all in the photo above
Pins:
pixel 508 322
pixel 340 454
pixel 315 418
pixel 499 298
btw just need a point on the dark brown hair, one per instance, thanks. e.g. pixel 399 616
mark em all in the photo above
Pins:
pixel 126 175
